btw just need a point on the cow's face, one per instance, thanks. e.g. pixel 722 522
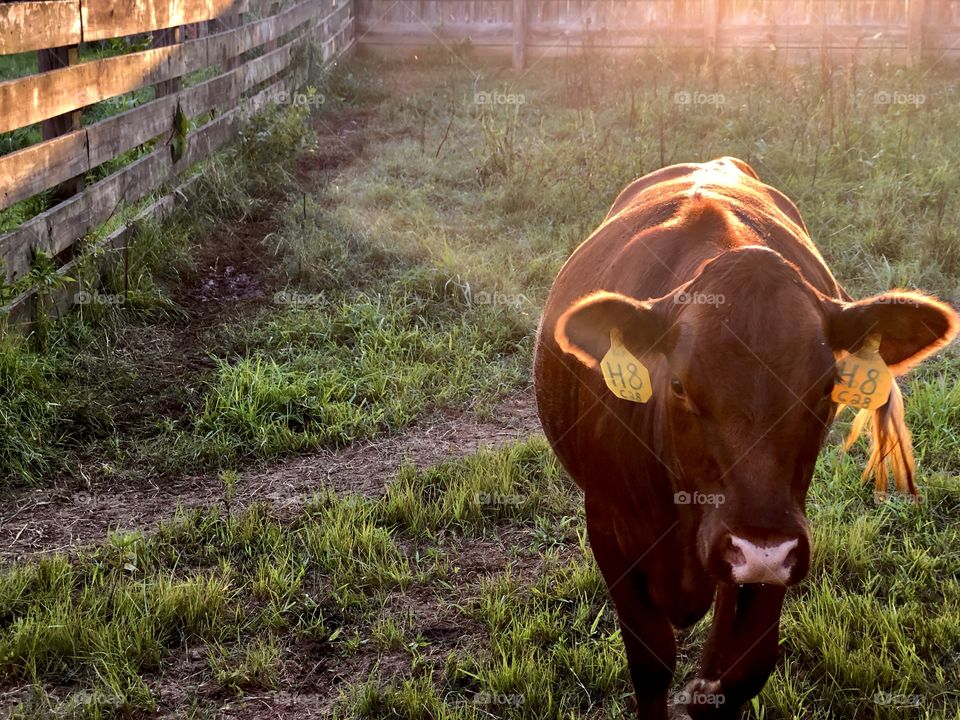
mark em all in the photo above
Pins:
pixel 743 363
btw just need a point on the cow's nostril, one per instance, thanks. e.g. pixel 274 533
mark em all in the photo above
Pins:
pixel 733 554
pixel 761 562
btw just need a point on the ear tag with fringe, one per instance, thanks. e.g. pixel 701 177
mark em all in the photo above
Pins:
pixel 863 379
pixel 625 376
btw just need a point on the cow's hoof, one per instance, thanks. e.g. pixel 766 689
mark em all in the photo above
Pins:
pixel 706 701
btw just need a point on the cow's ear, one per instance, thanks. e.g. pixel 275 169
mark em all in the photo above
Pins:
pixel 583 330
pixel 911 326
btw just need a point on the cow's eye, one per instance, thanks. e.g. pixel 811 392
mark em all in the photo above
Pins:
pixel 677 387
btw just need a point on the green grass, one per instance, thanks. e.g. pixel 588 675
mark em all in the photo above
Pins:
pixel 236 583
pixel 861 626
pixel 871 180
pixel 246 587
pixel 453 204
pixel 338 372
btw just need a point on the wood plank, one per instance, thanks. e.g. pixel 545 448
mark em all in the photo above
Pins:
pixel 204 142
pixel 22 310
pixel 33 169
pixel 553 41
pixel 519 34
pixel 61 124
pixel 230 44
pixel 38 25
pixel 231 21
pixel 57 228
pixel 163 38
pixel 103 20
pixel 37 97
pixel 39 167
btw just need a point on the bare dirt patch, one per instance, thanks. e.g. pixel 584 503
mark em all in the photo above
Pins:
pixel 341 138
pixel 47 520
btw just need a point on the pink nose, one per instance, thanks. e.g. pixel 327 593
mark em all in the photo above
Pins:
pixel 770 564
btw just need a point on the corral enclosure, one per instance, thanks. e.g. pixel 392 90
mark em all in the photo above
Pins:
pixel 219 61
pixel 283 460
pixel 911 28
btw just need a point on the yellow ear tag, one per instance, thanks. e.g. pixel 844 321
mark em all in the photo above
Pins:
pixel 863 379
pixel 626 376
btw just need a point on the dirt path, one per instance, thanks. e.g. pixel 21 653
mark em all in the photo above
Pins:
pixel 48 520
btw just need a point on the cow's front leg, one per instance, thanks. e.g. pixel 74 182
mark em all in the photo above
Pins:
pixel 647 634
pixel 740 652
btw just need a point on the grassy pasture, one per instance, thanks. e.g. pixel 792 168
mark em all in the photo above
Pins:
pixel 404 280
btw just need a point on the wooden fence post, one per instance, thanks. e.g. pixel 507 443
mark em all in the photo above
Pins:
pixel 679 13
pixel 711 24
pixel 916 17
pixel 519 34
pixel 229 22
pixel 61 124
pixel 357 9
pixel 938 19
pixel 270 8
pixel 162 38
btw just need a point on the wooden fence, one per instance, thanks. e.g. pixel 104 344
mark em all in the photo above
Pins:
pixel 247 50
pixel 907 29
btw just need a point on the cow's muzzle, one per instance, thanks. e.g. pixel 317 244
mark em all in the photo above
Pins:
pixel 751 558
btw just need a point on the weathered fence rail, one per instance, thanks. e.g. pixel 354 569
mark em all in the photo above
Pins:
pixel 908 29
pixel 250 54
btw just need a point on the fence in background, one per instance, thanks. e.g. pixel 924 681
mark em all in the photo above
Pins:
pixel 242 54
pixel 907 29
pixel 220 60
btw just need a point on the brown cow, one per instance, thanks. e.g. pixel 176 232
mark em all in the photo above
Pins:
pixel 712 281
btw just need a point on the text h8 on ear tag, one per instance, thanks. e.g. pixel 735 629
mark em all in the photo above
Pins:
pixel 626 376
pixel 863 379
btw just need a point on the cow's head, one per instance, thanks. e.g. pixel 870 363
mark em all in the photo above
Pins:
pixel 743 361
